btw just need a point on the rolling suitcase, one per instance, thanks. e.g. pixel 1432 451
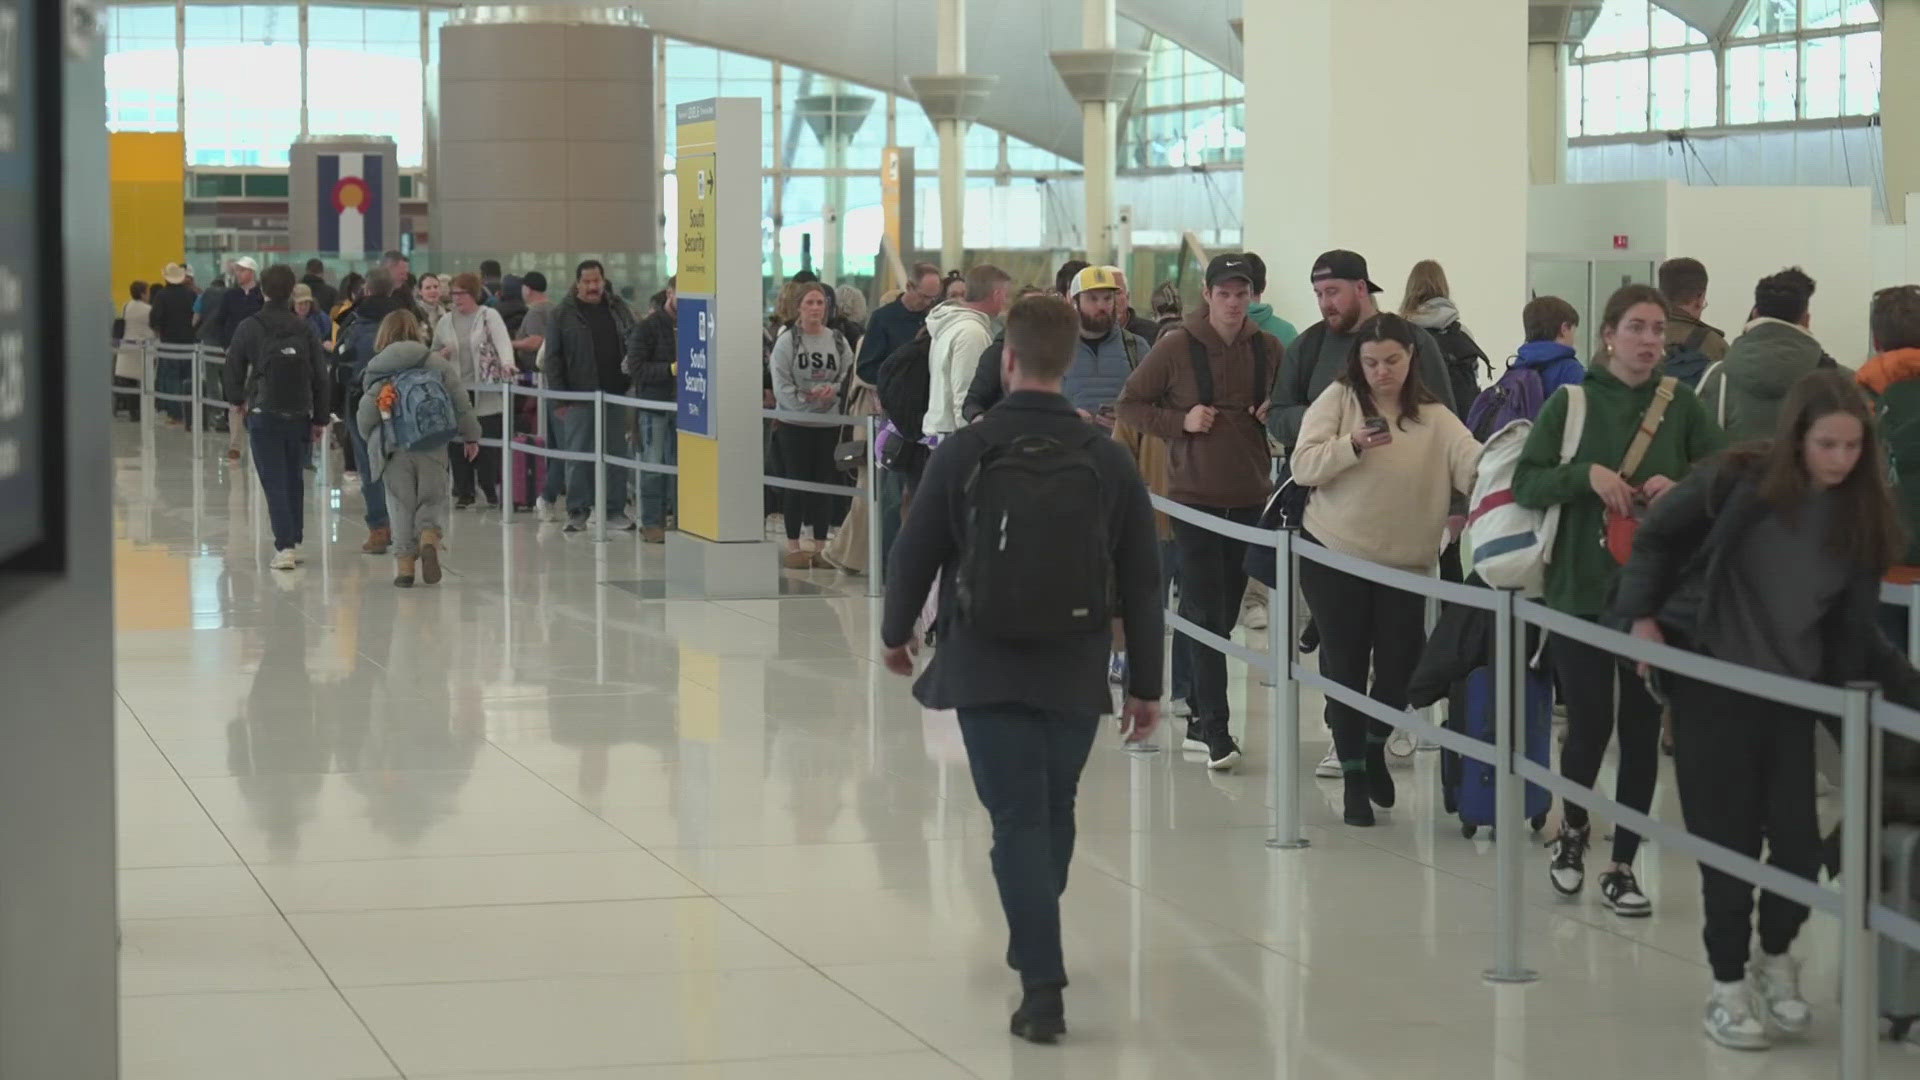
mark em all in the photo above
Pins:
pixel 529 474
pixel 1467 785
pixel 1899 965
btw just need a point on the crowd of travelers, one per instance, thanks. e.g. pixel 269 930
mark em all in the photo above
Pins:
pixel 1739 498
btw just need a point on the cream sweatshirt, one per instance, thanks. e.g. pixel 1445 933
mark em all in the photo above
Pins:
pixel 1389 504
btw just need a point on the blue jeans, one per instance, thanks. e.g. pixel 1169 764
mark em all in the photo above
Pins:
pixel 1026 767
pixel 556 484
pixel 659 445
pixel 373 491
pixel 280 448
pixel 575 419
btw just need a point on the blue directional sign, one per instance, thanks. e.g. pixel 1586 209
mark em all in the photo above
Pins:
pixel 695 356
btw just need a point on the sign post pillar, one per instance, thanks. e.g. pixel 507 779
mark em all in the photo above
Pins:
pixel 720 548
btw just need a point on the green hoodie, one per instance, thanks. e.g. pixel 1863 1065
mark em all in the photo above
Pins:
pixel 1581 571
pixel 1762 364
pixel 1263 317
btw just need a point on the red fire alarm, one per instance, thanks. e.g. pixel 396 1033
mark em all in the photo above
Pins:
pixel 1620 242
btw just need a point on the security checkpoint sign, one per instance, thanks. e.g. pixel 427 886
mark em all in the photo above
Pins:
pixel 695 353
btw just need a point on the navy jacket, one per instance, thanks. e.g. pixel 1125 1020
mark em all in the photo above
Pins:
pixel 887 329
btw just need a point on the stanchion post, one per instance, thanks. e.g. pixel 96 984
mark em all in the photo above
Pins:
pixel 1283 704
pixel 1913 623
pixel 1859 889
pixel 599 404
pixel 506 452
pixel 197 417
pixel 874 555
pixel 147 365
pixel 1510 794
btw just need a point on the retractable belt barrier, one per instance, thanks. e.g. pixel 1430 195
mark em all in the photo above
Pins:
pixel 1865 720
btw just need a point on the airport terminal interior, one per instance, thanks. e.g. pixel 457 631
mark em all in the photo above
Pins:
pixel 568 741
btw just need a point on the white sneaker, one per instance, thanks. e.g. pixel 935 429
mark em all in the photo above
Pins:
pixel 548 512
pixel 1730 1019
pixel 284 560
pixel 1329 767
pixel 1776 987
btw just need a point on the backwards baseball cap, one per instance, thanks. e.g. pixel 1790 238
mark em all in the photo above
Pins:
pixel 1094 277
pixel 1340 265
pixel 535 280
pixel 1228 267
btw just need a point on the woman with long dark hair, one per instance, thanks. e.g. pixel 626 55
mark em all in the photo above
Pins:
pixel 1770 558
pixel 1383 458
pixel 1614 475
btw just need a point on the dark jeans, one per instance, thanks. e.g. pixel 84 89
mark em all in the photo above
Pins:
pixel 373 492
pixel 484 469
pixel 1026 769
pixel 574 420
pixel 1745 770
pixel 659 445
pixel 127 396
pixel 1182 685
pixel 280 448
pixel 556 483
pixel 893 496
pixel 1589 680
pixel 807 454
pixel 1364 627
pixel 1213 577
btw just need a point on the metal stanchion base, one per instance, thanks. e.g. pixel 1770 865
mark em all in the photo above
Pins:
pixel 1524 975
pixel 1277 844
pixel 1142 748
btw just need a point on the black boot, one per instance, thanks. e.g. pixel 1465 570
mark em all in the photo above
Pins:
pixel 1041 1017
pixel 1359 801
pixel 1379 779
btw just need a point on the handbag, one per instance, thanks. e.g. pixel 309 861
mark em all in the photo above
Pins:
pixel 492 368
pixel 1621 528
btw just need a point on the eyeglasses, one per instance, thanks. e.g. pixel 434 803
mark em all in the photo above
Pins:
pixel 461 292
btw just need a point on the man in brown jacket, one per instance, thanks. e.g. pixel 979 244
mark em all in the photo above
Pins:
pixel 1204 389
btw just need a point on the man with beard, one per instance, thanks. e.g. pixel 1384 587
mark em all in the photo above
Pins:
pixel 1319 356
pixel 1205 388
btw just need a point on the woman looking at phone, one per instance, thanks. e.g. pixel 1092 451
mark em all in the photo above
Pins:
pixel 1383 458
pixel 1624 393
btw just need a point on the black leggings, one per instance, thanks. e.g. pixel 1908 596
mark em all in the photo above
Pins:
pixel 1745 772
pixel 485 468
pixel 1364 626
pixel 807 454
pixel 1589 679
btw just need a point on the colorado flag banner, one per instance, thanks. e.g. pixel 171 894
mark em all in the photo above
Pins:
pixel 350 202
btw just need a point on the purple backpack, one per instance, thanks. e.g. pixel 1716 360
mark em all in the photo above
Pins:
pixel 1517 396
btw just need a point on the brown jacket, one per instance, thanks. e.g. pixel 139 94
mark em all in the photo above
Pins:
pixel 1225 468
pixel 1150 457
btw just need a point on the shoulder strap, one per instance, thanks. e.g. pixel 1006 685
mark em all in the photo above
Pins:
pixel 1720 406
pixel 1202 368
pixel 1649 426
pixel 1574 427
pixel 1306 353
pixel 1126 345
pixel 1696 339
pixel 1262 389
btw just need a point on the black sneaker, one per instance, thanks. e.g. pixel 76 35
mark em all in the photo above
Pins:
pixel 1380 785
pixel 1041 1017
pixel 1222 752
pixel 576 524
pixel 463 503
pixel 1196 739
pixel 1568 872
pixel 1310 638
pixel 1620 892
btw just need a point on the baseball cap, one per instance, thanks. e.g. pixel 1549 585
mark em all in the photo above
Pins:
pixel 174 274
pixel 1340 265
pixel 302 291
pixel 245 262
pixel 1227 267
pixel 535 280
pixel 1094 277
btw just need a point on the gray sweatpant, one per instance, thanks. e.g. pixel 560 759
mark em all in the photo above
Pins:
pixel 419 492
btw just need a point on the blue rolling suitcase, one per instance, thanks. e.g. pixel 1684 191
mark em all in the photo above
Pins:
pixel 1469 783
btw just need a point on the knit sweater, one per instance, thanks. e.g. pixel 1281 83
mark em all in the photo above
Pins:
pixel 1388 504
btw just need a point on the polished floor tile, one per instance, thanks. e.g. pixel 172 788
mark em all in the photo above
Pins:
pixel 530 826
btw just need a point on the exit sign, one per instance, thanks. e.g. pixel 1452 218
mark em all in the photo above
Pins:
pixel 1620 242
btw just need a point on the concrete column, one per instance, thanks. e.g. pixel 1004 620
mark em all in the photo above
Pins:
pixel 952 99
pixel 835 118
pixel 1374 189
pixel 547 137
pixel 1547 112
pixel 1100 77
pixel 1900 102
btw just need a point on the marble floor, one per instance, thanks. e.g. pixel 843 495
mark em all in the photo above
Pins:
pixel 527 824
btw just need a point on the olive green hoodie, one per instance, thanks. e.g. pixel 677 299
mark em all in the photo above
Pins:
pixel 1581 571
pixel 1762 364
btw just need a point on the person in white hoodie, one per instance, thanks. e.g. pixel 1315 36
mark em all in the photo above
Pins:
pixel 961 332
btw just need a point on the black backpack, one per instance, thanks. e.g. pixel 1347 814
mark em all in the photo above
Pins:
pixel 906 378
pixel 1035 563
pixel 1686 360
pixel 1464 358
pixel 282 372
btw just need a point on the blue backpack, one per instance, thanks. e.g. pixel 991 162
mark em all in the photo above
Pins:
pixel 1517 396
pixel 423 416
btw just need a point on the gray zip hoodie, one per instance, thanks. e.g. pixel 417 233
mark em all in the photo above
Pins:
pixel 400 356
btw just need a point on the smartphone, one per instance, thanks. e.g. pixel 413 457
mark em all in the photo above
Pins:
pixel 1376 424
pixel 1106 410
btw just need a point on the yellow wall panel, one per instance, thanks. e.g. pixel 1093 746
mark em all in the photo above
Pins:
pixel 148 176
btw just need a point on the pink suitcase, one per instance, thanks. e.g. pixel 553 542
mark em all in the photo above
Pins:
pixel 529 472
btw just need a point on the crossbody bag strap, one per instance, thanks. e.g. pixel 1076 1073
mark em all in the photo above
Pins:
pixel 1649 426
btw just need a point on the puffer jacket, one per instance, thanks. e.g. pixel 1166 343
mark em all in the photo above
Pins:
pixel 1762 364
pixel 1100 369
